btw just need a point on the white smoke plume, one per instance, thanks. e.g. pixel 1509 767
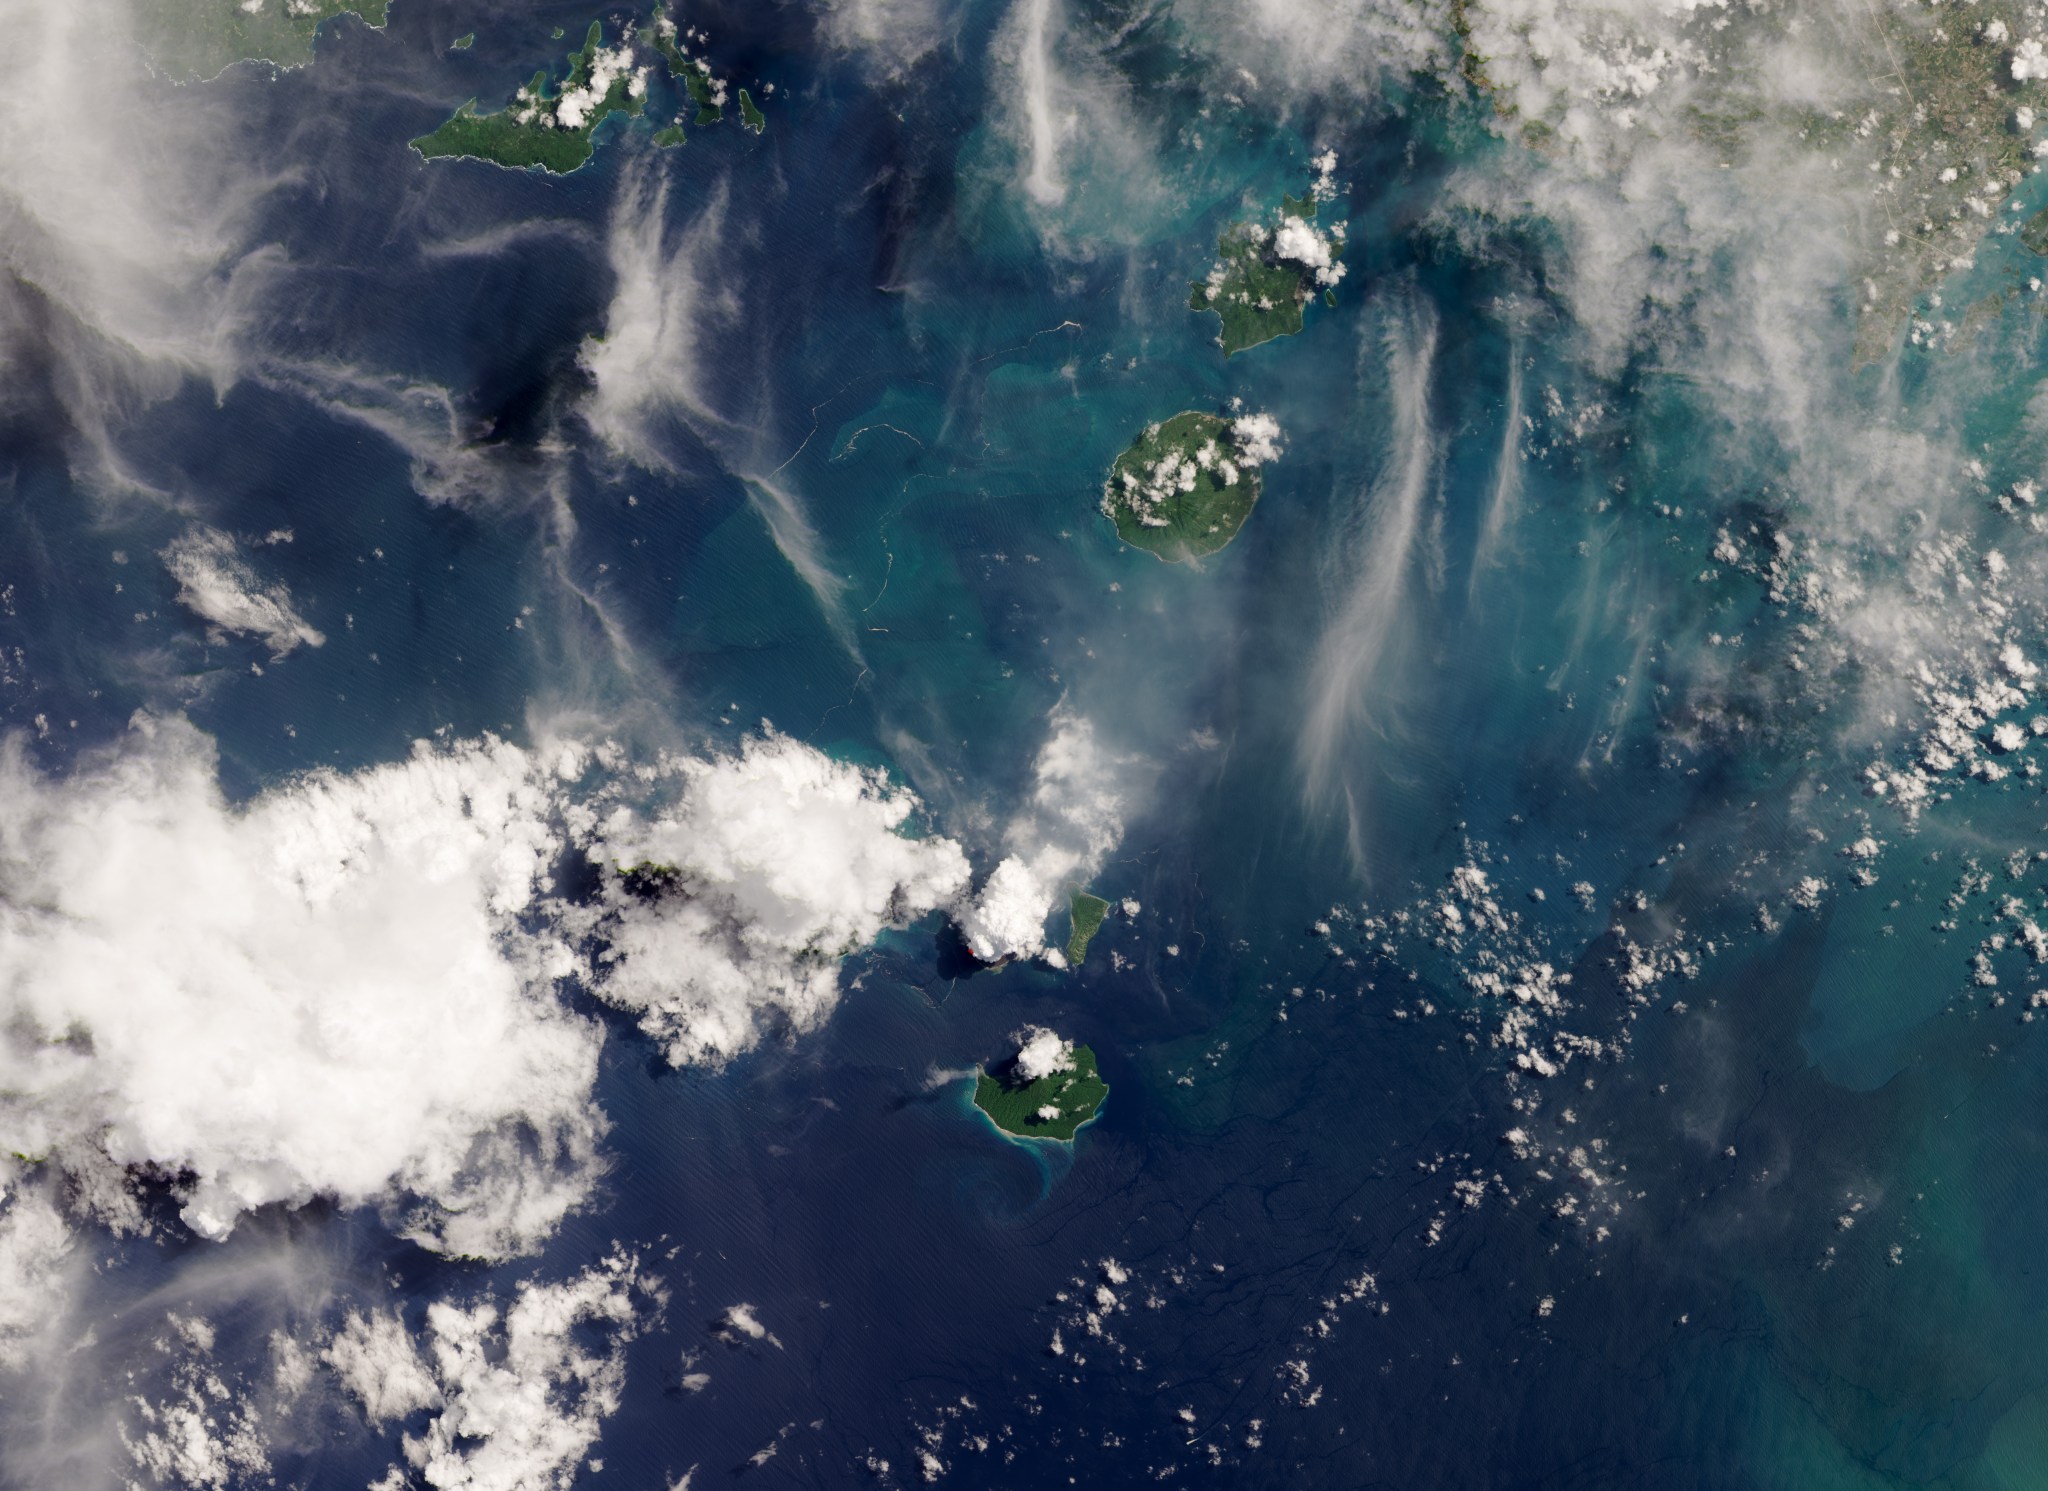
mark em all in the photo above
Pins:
pixel 1370 567
pixel 1087 165
pixel 650 369
pixel 125 260
pixel 648 363
pixel 895 34
pixel 1072 820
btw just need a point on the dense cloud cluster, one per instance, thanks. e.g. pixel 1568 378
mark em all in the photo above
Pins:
pixel 262 1000
pixel 738 901
pixel 515 1394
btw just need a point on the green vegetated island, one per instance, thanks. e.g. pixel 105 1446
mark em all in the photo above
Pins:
pixel 1053 1107
pixel 1088 912
pixel 189 41
pixel 1265 273
pixel 1184 487
pixel 553 126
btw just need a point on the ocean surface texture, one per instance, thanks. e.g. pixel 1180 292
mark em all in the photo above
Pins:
pixel 552 722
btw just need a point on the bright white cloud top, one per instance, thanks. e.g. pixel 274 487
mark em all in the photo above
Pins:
pixel 519 1393
pixel 773 865
pixel 348 986
pixel 267 998
pixel 1072 821
pixel 1041 1052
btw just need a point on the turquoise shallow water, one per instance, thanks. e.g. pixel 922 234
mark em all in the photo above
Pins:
pixel 937 391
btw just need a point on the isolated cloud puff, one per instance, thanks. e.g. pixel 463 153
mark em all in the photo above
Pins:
pixel 772 866
pixel 1041 1052
pixel 325 991
pixel 215 582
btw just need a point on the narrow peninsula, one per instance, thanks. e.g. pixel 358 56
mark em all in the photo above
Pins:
pixel 1048 1090
pixel 1184 487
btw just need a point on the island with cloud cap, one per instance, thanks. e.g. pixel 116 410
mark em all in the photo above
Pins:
pixel 1048 1090
pixel 1186 485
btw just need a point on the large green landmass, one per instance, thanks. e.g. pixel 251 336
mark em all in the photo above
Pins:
pixel 1012 1106
pixel 1256 295
pixel 1088 914
pixel 189 41
pixel 528 133
pixel 1162 506
pixel 1925 117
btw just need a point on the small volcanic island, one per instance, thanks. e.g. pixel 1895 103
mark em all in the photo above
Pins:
pixel 1048 1090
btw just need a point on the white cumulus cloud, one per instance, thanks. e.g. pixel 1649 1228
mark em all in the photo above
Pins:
pixel 772 866
pixel 1041 1052
pixel 324 991
pixel 520 1392
pixel 376 1362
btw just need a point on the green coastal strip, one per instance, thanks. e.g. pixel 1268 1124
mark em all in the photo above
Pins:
pixel 190 41
pixel 1088 913
pixel 1016 1107
pixel 531 131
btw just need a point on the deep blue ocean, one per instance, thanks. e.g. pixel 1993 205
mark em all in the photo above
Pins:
pixel 940 391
